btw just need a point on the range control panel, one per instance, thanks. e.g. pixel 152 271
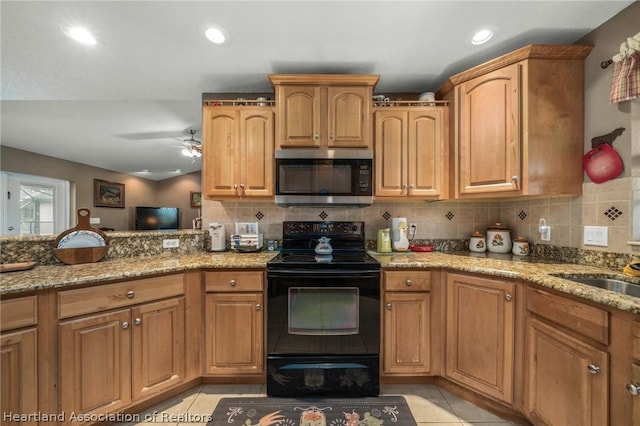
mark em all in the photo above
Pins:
pixel 323 228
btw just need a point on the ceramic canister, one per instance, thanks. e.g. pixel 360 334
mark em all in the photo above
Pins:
pixel 477 242
pixel 498 239
pixel 520 247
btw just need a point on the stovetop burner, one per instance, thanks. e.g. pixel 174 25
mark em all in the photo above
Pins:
pixel 300 238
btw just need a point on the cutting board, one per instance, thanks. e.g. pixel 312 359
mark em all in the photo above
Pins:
pixel 602 163
pixel 76 255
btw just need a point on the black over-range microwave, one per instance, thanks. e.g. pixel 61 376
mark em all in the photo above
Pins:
pixel 324 177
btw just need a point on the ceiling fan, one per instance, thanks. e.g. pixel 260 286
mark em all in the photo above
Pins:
pixel 193 147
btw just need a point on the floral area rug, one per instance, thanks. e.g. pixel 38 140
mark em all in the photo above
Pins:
pixel 266 411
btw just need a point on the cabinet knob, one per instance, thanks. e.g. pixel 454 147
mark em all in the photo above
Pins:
pixel 232 283
pixel 331 136
pixel 412 186
pixel 404 186
pixel 242 186
pixel 137 321
pixel 130 294
pixel 515 178
pixel 508 297
pixel 316 136
pixel 389 306
pixel 258 306
pixel 634 389
pixel 125 325
pixel 409 282
pixel 593 369
pixel 235 186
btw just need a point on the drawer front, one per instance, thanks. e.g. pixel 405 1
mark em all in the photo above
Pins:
pixel 234 281
pixel 110 296
pixel 406 280
pixel 16 313
pixel 587 320
pixel 635 336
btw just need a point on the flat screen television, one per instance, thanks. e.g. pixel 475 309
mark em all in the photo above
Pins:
pixel 157 218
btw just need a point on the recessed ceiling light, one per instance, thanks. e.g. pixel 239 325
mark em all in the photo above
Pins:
pixel 216 35
pixel 81 35
pixel 482 36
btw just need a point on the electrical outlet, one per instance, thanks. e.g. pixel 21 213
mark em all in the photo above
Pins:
pixel 413 229
pixel 173 243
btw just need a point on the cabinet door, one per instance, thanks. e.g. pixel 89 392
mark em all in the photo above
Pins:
pixel 299 110
pixel 18 354
pixel 391 153
pixel 635 404
pixel 566 379
pixel 427 158
pixel 489 151
pixel 407 335
pixel 256 134
pixel 348 117
pixel 157 346
pixel 221 151
pixel 95 363
pixel 480 334
pixel 233 333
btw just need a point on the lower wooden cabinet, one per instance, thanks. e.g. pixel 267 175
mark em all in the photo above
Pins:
pixel 567 379
pixel 234 322
pixel 480 334
pixel 18 354
pixel 406 337
pixel 111 359
pixel 18 358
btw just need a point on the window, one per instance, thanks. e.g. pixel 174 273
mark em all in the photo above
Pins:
pixel 34 205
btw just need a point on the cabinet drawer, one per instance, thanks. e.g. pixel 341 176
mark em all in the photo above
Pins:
pixel 110 296
pixel 587 320
pixel 635 337
pixel 234 281
pixel 407 280
pixel 15 313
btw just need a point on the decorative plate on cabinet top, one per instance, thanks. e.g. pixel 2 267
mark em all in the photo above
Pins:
pixel 82 238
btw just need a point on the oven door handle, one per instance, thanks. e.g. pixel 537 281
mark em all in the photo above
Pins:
pixel 297 273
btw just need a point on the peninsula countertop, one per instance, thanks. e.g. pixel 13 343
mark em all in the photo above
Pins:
pixel 537 271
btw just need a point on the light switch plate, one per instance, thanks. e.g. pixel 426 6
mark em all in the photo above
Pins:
pixel 596 236
pixel 94 221
pixel 172 243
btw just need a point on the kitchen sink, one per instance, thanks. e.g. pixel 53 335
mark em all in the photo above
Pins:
pixel 611 284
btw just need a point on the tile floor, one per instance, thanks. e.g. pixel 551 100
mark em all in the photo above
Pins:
pixel 429 404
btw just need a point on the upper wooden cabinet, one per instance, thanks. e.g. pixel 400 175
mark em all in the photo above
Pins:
pixel 517 123
pixel 411 152
pixel 237 151
pixel 323 110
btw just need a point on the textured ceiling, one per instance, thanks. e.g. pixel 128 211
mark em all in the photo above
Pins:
pixel 125 104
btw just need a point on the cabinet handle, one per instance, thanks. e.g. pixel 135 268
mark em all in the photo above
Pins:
pixel 125 325
pixel 137 321
pixel 130 294
pixel 593 369
pixel 232 283
pixel 388 306
pixel 634 389
pixel 258 307
pixel 508 297
pixel 409 282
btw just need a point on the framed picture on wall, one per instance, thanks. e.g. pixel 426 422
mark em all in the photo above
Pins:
pixel 196 199
pixel 108 194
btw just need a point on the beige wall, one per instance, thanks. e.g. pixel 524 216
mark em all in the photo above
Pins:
pixel 172 192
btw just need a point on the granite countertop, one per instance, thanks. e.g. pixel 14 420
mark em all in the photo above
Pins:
pixel 538 271
pixel 533 270
pixel 54 276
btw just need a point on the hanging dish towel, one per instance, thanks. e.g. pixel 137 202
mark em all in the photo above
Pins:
pixel 625 80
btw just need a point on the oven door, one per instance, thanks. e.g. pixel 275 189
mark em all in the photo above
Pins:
pixel 320 312
pixel 323 333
